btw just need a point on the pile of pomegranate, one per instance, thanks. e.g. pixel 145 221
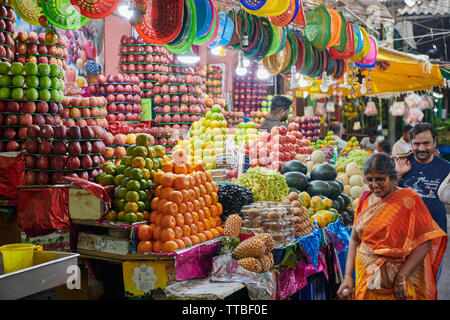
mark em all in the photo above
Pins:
pixel 7 29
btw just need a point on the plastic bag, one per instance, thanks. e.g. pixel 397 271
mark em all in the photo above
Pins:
pixel 371 109
pixel 320 110
pixel 412 100
pixel 398 109
pixel 12 174
pixel 413 116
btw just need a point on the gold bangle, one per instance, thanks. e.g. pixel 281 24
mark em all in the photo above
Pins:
pixel 402 274
pixel 347 276
pixel 399 283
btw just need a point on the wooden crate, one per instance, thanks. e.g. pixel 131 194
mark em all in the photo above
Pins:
pixel 84 205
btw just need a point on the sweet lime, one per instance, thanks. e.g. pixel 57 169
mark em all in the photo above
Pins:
pixel 136 174
pixel 122 192
pixel 118 179
pixel 133 185
pixel 130 217
pixel 132 196
pixel 131 207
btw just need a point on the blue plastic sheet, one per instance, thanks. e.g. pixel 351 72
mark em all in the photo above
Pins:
pixel 340 235
pixel 311 245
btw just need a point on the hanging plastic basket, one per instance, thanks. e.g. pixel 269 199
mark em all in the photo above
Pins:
pixel 63 15
pixel 285 18
pixel 95 9
pixel 271 8
pixel 204 17
pixel 189 39
pixel 28 12
pixel 253 4
pixel 163 22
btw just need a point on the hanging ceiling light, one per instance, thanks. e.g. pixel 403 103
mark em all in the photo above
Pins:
pixel 304 82
pixel 241 70
pixel 324 84
pixel 345 84
pixel 126 10
pixel 293 83
pixel 262 73
pixel 188 57
pixel 363 86
pixel 216 50
pixel 246 62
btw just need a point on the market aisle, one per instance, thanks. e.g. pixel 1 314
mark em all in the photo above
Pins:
pixel 444 281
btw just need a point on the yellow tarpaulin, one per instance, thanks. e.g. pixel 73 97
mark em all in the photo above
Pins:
pixel 396 72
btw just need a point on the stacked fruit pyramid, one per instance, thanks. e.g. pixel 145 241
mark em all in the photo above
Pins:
pixel 133 177
pixel 207 138
pixel 41 48
pixel 214 76
pixel 185 208
pixel 84 111
pixel 7 30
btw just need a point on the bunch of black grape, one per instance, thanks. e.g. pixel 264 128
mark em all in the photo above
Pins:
pixel 233 198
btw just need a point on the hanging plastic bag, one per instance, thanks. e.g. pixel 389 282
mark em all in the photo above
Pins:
pixel 412 100
pixel 371 109
pixel 12 174
pixel 398 109
pixel 413 116
pixel 320 110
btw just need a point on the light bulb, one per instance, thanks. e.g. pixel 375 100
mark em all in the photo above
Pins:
pixel 304 82
pixel 345 84
pixel 363 86
pixel 293 83
pixel 216 50
pixel 324 84
pixel 188 57
pixel 124 11
pixel 241 71
pixel 262 73
pixel 246 62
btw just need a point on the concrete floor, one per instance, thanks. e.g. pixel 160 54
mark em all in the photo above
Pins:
pixel 444 281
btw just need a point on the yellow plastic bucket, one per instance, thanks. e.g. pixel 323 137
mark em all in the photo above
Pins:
pixel 18 256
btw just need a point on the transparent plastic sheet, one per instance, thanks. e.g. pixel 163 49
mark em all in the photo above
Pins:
pixel 260 286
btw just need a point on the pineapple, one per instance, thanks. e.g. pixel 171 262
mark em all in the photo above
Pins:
pixel 233 226
pixel 250 264
pixel 268 241
pixel 266 262
pixel 252 247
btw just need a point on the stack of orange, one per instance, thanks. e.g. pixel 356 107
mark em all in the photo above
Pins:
pixel 185 208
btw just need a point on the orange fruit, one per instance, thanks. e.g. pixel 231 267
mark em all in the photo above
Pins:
pixel 209 188
pixel 198 181
pixel 191 181
pixel 158 219
pixel 185 195
pixel 207 212
pixel 196 204
pixel 180 243
pixel 158 190
pixel 144 232
pixel 195 240
pixel 202 237
pixel 176 196
pixel 169 246
pixel 195 217
pixel 161 202
pixel 200 226
pixel 167 180
pixel 214 211
pixel 214 197
pixel 215 187
pixel 194 228
pixel 168 221
pixel 208 200
pixel 154 203
pixel 197 192
pixel 208 176
pixel 157 177
pixel 220 230
pixel 157 233
pixel 153 215
pixel 190 207
pixel 170 208
pixel 202 191
pixel 179 168
pixel 191 194
pixel 181 182
pixel 201 166
pixel 144 246
pixel 186 230
pixel 202 177
pixel 167 234
pixel 157 246
pixel 209 235
pixel 178 232
pixel 182 208
pixel 201 215
pixel 212 222
pixel 219 208
pixel 207 224
pixel 215 232
pixel 187 241
pixel 165 193
pixel 189 167
pixel 188 218
pixel 202 202
pixel 146 215
pixel 218 221
pixel 179 219
pixel 168 166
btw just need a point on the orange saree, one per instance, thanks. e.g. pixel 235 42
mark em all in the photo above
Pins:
pixel 389 230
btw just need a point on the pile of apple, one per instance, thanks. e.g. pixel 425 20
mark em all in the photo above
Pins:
pixel 214 81
pixel 116 145
pixel 272 150
pixel 308 126
pixel 233 118
pixel 41 48
pixel 84 111
pixel 123 96
pixel 258 117
pixel 146 61
pixel 7 29
pixel 178 99
pixel 53 152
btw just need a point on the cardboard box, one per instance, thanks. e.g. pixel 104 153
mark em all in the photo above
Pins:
pixel 103 243
pixel 84 205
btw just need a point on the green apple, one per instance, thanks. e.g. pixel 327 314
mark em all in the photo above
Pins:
pixel 18 81
pixel 5 93
pixel 17 94
pixel 45 82
pixel 208 115
pixel 4 67
pixel 216 108
pixel 43 68
pixel 54 95
pixel 31 68
pixel 62 85
pixel 32 82
pixel 16 68
pixel 31 94
pixel 5 81
pixel 54 69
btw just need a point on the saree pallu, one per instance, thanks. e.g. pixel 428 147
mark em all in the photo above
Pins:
pixel 389 230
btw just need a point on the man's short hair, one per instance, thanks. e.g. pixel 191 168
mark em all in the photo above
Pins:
pixel 372 132
pixel 406 128
pixel 279 103
pixel 422 127
pixel 336 128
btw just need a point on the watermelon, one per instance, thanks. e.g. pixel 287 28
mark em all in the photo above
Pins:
pixel 294 190
pixel 342 201
pixel 341 184
pixel 337 206
pixel 335 189
pixel 318 187
pixel 347 200
pixel 294 166
pixel 296 180
pixel 324 171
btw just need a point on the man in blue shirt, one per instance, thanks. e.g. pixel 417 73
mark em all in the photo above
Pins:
pixel 424 172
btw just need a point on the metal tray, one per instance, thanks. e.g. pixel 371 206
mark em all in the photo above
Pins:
pixel 49 271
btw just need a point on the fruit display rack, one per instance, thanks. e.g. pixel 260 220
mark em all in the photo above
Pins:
pixel 309 127
pixel 40 48
pixel 84 111
pixel 7 30
pixel 249 92
pixel 214 78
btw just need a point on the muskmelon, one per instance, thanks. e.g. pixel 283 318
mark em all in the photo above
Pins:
pixel 356 191
pixel 356 180
pixel 344 178
pixel 347 189
pixel 318 156
pixel 352 169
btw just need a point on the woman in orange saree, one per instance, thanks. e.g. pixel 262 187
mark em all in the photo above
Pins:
pixel 396 247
